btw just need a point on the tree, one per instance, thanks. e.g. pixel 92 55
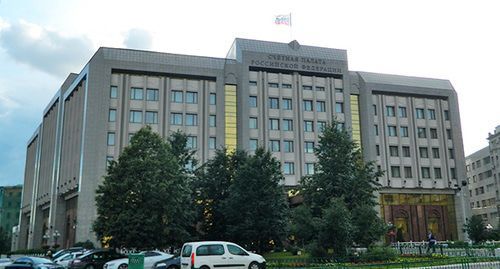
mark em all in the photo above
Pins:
pixel 336 228
pixel 368 227
pixel 145 191
pixel 476 229
pixel 4 241
pixel 256 208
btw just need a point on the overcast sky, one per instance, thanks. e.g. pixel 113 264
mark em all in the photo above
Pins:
pixel 43 41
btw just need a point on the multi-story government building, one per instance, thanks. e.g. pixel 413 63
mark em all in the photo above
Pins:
pixel 271 94
pixel 482 175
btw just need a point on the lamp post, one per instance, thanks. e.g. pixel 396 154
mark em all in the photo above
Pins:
pixel 46 238
pixel 56 235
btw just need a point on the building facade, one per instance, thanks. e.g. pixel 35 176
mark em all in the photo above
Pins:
pixel 482 176
pixel 10 204
pixel 270 94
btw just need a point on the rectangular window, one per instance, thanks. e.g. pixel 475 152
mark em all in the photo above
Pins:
pixel 390 111
pixel 287 104
pixel 252 123
pixel 394 151
pixel 451 152
pixel 377 149
pixel 191 120
pixel 321 126
pixel 151 117
pixel 446 115
pixel 402 112
pixel 287 125
pixel 426 172
pixel 212 121
pixel 288 168
pixel 320 106
pixel 288 145
pixel 408 173
pixel 432 114
pixel 448 134
pixel 192 97
pixel 113 92
pixel 252 83
pixel 274 145
pixel 136 94
pixel 395 171
pixel 307 88
pixel 274 103
pixel 309 168
pixel 339 107
pixel 176 118
pixel 424 152
pixel 308 126
pixel 309 147
pixel 286 86
pixel 112 115
pixel 421 133
pixel 307 105
pixel 111 139
pixel 192 142
pixel 406 151
pixel 434 133
pixel 152 94
pixel 420 113
pixel 213 99
pixel 320 88
pixel 437 173
pixel 375 110
pixel 391 130
pixel 274 124
pixel 273 85
pixel 212 142
pixel 435 153
pixel 403 130
pixel 375 127
pixel 176 96
pixel 252 101
pixel 253 144
pixel 135 116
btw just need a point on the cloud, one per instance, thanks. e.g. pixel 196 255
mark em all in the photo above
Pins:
pixel 43 49
pixel 6 105
pixel 138 39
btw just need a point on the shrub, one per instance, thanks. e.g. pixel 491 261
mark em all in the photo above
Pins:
pixel 379 254
pixel 316 250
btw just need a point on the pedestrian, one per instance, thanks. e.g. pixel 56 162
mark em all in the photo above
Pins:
pixel 49 255
pixel 431 242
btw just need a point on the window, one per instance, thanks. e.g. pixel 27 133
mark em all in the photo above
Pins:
pixel 309 147
pixel 434 133
pixel 274 103
pixel 321 126
pixel 252 83
pixel 308 105
pixel 377 149
pixel 135 116
pixel 151 117
pixel 421 133
pixel 426 172
pixel 451 152
pixel 402 112
pixel 252 123
pixel 403 130
pixel 446 115
pixel 420 113
pixel 287 125
pixel 448 134
pixel 288 168
pixel 212 142
pixel 395 171
pixel 113 92
pixel 339 107
pixel 176 96
pixel 435 153
pixel 212 121
pixel 236 250
pixel 213 99
pixel 286 86
pixel 288 146
pixel 424 152
pixel 408 173
pixel 287 104
pixel 192 142
pixel 375 110
pixel 320 106
pixel 112 115
pixel 307 88
pixel 176 118
pixel 192 97
pixel 394 151
pixel 391 130
pixel 191 120
pixel 152 94
pixel 252 101
pixel 308 126
pixel 432 114
pixel 136 94
pixel 274 124
pixel 309 168
pixel 273 85
pixel 390 112
pixel 376 129
pixel 111 139
pixel 253 144
pixel 437 173
pixel 320 88
pixel 210 250
pixel 274 145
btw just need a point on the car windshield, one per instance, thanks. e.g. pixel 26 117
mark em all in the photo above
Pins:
pixel 5 260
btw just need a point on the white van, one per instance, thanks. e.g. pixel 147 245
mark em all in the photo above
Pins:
pixel 219 254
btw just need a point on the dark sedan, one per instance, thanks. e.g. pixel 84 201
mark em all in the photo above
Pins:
pixel 94 259
pixel 33 263
pixel 170 263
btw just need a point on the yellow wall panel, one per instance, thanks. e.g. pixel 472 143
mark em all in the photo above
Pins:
pixel 231 135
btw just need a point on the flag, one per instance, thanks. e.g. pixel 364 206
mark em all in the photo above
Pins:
pixel 283 19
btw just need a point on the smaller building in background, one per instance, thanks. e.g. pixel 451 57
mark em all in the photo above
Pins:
pixel 10 205
pixel 483 175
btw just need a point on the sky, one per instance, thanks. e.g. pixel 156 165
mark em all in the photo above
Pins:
pixel 41 42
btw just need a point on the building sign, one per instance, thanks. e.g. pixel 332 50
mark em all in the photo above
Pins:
pixel 296 63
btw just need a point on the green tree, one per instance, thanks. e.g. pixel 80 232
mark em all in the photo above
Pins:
pixel 303 226
pixel 256 208
pixel 336 228
pixel 367 226
pixel 144 200
pixel 476 229
pixel 4 241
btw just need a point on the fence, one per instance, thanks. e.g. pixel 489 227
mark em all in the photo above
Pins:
pixel 421 249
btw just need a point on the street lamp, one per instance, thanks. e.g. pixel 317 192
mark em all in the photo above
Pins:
pixel 56 235
pixel 46 237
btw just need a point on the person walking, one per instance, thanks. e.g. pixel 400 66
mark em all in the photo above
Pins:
pixel 431 242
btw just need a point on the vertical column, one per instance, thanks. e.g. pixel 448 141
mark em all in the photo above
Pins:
pixel 355 121
pixel 230 115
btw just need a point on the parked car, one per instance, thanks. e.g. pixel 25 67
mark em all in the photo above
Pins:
pixel 66 258
pixel 4 262
pixel 65 251
pixel 150 258
pixel 213 254
pixel 94 259
pixel 33 263
pixel 173 262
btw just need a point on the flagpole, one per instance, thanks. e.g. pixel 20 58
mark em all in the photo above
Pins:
pixel 291 33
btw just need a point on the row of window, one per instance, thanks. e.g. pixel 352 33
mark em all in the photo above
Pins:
pixel 477 164
pixel 484 203
pixel 424 152
pixel 286 104
pixel 425 171
pixel 287 124
pixel 289 168
pixel 151 117
pixel 337 85
pixel 176 96
pixel 288 145
pixel 192 141
pixel 390 111
pixel 421 132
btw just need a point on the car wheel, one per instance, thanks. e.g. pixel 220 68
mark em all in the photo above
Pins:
pixel 254 265
pixel 204 267
pixel 173 267
pixel 123 266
